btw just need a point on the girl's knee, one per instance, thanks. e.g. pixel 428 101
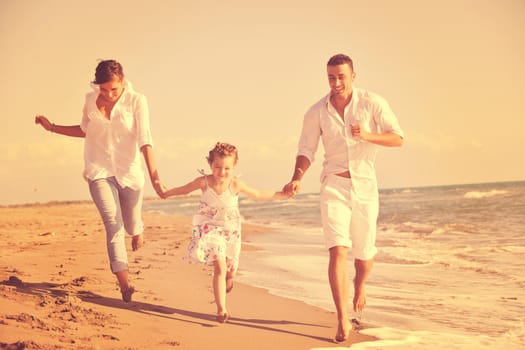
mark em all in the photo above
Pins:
pixel 220 267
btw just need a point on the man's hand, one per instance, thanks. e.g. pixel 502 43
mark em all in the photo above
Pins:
pixel 292 188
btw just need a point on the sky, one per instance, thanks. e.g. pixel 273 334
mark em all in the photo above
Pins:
pixel 245 72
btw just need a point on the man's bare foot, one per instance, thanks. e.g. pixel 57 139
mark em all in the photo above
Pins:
pixel 137 242
pixel 343 331
pixel 362 270
pixel 359 297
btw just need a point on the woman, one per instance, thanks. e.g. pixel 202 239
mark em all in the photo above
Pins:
pixel 115 125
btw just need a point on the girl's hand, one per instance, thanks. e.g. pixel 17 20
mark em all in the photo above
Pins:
pixel 283 195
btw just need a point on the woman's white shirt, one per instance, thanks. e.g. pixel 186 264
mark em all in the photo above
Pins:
pixel 112 147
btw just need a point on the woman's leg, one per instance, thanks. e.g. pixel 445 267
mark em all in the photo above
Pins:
pixel 104 193
pixel 131 205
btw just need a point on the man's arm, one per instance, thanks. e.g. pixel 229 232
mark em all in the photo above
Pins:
pixel 293 187
pixel 387 139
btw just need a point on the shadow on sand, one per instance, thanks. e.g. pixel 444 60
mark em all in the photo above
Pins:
pixel 55 290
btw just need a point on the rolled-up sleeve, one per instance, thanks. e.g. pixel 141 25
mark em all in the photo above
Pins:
pixel 141 112
pixel 385 118
pixel 310 135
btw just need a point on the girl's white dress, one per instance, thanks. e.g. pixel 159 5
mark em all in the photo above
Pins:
pixel 216 229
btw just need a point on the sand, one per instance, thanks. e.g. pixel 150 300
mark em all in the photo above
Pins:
pixel 57 291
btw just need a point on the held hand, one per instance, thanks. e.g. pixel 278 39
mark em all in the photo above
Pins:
pixel 292 188
pixel 281 195
pixel 46 124
pixel 160 188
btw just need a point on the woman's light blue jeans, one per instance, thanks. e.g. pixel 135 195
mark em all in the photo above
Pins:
pixel 121 211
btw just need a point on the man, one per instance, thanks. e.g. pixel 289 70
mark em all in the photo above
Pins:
pixel 352 123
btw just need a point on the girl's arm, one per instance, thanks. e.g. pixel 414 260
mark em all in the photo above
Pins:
pixel 73 130
pixel 258 194
pixel 185 189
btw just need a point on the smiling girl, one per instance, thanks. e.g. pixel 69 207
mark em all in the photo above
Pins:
pixel 216 228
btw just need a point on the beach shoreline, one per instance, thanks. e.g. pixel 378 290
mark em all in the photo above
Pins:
pixel 58 293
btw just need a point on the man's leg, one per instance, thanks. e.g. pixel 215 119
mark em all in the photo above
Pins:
pixel 362 270
pixel 335 214
pixel 363 230
pixel 338 277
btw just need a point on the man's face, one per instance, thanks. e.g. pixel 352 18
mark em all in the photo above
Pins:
pixel 340 78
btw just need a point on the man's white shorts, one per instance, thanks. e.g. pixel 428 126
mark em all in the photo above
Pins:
pixel 346 221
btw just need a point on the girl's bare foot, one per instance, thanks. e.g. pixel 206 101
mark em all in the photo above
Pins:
pixel 343 331
pixel 137 242
pixel 223 317
pixel 229 285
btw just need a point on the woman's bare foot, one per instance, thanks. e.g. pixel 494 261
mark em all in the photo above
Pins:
pixel 137 242
pixel 127 293
pixel 343 331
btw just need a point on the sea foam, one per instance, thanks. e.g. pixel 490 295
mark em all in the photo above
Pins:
pixel 479 194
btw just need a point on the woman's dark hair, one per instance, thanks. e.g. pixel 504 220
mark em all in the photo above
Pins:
pixel 107 70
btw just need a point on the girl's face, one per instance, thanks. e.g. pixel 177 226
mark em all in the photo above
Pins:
pixel 111 90
pixel 222 168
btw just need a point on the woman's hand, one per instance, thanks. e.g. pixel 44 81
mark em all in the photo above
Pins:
pixel 46 124
pixel 160 188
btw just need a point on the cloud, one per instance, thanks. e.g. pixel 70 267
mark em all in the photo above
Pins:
pixel 58 152
pixel 42 171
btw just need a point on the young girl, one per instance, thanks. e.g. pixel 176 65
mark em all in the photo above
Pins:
pixel 216 228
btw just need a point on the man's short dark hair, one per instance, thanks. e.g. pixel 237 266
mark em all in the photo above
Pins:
pixel 340 59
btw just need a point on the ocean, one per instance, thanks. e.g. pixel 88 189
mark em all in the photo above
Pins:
pixel 449 273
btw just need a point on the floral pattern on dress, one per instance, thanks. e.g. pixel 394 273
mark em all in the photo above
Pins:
pixel 216 230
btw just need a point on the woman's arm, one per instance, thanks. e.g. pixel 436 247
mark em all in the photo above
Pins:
pixel 149 158
pixel 73 130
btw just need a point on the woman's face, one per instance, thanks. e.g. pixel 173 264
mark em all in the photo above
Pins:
pixel 111 90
